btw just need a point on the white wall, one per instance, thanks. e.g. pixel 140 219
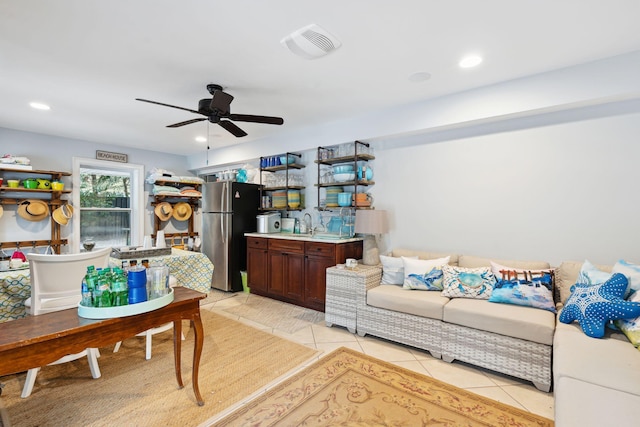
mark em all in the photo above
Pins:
pixel 566 191
pixel 48 152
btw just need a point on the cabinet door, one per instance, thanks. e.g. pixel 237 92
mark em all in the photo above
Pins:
pixel 315 280
pixel 257 269
pixel 277 261
pixel 294 277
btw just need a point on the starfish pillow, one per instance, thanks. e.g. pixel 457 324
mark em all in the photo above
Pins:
pixel 593 306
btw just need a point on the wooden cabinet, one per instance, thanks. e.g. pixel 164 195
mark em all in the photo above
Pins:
pixel 294 270
pixel 257 265
pixel 53 198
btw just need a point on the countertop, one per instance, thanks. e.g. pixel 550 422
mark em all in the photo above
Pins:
pixel 303 237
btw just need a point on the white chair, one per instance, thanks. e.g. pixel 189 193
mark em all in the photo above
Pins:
pixel 56 285
pixel 149 333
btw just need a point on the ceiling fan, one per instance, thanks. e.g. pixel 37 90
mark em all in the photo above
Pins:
pixel 218 108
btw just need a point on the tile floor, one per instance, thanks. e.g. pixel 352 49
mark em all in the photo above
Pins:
pixel 512 391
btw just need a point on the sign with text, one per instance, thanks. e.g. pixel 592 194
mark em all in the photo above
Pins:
pixel 113 157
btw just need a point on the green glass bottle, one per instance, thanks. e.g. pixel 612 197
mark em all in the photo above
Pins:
pixel 91 282
pixel 119 288
pixel 102 294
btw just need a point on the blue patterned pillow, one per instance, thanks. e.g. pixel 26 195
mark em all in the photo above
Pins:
pixel 460 282
pixel 593 306
pixel 536 292
pixel 424 275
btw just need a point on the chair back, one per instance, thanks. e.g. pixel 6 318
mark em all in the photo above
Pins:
pixel 56 280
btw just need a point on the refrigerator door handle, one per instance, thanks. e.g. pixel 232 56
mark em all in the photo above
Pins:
pixel 223 197
pixel 223 227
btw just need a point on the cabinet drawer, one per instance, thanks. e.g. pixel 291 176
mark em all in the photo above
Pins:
pixel 320 249
pixel 257 243
pixel 286 245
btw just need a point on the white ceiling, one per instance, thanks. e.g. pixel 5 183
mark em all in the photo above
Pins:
pixel 90 59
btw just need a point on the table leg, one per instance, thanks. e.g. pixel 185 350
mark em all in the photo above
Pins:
pixel 196 323
pixel 177 350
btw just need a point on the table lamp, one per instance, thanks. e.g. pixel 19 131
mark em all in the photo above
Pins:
pixel 371 223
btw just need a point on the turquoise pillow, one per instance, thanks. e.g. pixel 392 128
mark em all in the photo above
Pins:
pixel 593 306
pixel 536 293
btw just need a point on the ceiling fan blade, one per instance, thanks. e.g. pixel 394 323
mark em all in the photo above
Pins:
pixel 256 119
pixel 235 130
pixel 168 105
pixel 221 102
pixel 188 122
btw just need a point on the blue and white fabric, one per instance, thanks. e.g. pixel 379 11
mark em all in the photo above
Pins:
pixel 537 292
pixel 462 282
pixel 593 306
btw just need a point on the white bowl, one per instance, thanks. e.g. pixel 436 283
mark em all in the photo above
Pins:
pixel 344 177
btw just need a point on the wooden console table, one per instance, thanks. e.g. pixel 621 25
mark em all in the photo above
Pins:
pixel 36 341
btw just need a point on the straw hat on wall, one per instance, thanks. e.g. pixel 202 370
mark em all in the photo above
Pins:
pixel 163 210
pixel 182 211
pixel 33 210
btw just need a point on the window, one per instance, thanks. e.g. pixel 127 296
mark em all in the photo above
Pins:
pixel 108 202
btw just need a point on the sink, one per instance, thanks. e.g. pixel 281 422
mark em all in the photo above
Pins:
pixel 330 236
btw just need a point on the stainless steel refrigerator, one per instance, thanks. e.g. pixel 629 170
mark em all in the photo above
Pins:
pixel 229 210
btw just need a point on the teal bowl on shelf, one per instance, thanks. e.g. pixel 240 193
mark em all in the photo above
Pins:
pixel 284 160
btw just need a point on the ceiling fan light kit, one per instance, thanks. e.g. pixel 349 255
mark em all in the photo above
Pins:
pixel 311 42
pixel 218 108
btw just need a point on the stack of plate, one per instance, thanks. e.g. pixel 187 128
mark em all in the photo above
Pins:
pixel 332 196
pixel 293 198
pixel 279 199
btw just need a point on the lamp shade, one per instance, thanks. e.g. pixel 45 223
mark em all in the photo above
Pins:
pixel 371 222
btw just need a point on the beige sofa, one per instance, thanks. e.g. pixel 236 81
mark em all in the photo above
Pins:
pixel 596 381
pixel 510 339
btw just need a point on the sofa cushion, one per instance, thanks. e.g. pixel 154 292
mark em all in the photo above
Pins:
pixel 526 323
pixel 593 306
pixel 631 327
pixel 610 362
pixel 470 261
pixel 632 271
pixel 424 304
pixel 567 276
pixel 460 282
pixel 423 274
pixel 453 258
pixel 392 270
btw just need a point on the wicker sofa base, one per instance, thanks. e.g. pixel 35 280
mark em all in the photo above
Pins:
pixel 512 356
pixel 415 331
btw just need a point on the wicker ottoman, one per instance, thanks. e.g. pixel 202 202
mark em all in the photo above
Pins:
pixel 340 303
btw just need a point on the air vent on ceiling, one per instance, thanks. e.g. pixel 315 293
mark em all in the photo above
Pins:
pixel 311 42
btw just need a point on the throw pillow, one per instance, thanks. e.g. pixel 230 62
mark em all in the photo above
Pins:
pixel 632 271
pixel 462 282
pixel 392 270
pixel 591 275
pixel 593 306
pixel 631 327
pixel 536 292
pixel 423 274
pixel 517 273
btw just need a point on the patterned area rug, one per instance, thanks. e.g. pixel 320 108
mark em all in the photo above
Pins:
pixel 350 388
pixel 276 314
pixel 238 362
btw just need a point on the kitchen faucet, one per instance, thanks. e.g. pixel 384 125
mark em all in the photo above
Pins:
pixel 308 224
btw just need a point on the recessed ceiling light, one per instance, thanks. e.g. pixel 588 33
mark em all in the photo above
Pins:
pixel 420 76
pixel 39 106
pixel 201 138
pixel 470 61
